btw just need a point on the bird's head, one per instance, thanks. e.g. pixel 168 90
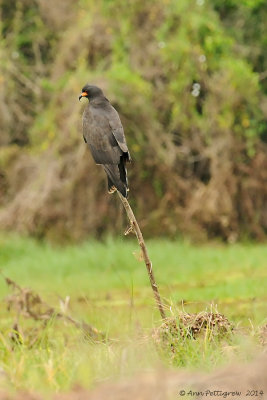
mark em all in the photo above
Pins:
pixel 91 92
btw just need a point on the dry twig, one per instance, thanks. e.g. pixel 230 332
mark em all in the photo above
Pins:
pixel 29 304
pixel 135 227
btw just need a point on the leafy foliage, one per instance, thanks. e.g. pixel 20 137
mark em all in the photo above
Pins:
pixel 189 86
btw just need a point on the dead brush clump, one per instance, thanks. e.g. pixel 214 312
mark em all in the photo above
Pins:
pixel 205 324
pixel 28 304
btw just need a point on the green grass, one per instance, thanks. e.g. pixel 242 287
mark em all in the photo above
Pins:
pixel 109 288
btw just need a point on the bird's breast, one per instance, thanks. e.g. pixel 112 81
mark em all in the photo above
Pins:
pixel 96 130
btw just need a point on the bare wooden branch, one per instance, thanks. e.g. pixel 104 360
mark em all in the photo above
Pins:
pixel 148 263
pixel 30 305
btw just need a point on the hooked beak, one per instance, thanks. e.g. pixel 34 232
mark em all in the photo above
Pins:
pixel 84 94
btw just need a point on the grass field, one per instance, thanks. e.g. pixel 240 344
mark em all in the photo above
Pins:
pixel 109 288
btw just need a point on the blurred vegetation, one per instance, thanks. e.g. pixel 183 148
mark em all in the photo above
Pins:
pixel 189 81
pixel 99 283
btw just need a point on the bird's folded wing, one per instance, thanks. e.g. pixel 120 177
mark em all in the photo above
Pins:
pixel 101 141
pixel 117 130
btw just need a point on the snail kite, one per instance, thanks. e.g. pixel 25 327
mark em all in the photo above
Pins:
pixel 103 132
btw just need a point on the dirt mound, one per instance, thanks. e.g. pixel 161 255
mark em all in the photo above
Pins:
pixel 193 325
pixel 163 385
pixel 243 381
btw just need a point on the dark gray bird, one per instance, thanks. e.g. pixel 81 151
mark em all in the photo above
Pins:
pixel 103 132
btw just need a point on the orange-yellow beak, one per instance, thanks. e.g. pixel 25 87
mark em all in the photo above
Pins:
pixel 84 94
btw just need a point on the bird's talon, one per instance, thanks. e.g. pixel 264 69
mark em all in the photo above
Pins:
pixel 112 190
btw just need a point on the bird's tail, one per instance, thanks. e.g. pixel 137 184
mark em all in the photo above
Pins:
pixel 117 176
